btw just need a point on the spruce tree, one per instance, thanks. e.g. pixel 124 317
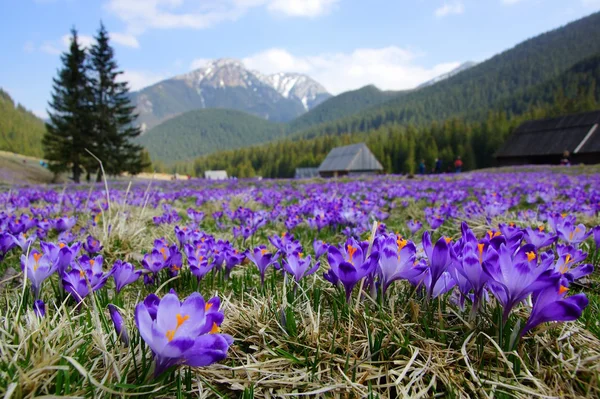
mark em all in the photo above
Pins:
pixel 114 117
pixel 68 132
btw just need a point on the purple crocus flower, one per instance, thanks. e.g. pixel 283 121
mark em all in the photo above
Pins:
pixel 183 332
pixel 38 267
pixel 23 242
pixel 550 304
pixel 156 260
pixel 439 259
pixel 61 255
pixel 513 278
pixel 7 243
pixel 64 223
pixel 538 237
pixel 299 266
pixel 571 270
pixel 200 265
pixel 39 308
pixel 119 324
pixel 92 246
pixel 86 274
pixel 397 261
pixel 573 234
pixel 232 259
pixel 350 265
pixel 124 274
pixel 596 233
pixel 262 258
pixel 414 226
pixel 320 248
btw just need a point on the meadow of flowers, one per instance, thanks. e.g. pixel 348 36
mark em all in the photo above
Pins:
pixel 481 284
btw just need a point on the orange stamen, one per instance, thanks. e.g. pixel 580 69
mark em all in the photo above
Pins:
pixel 530 255
pixel 351 251
pixel 562 289
pixel 207 306
pixel 448 240
pixel 215 329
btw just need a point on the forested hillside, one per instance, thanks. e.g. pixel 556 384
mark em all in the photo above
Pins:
pixel 343 105
pixel 400 147
pixel 204 131
pixel 482 87
pixel 20 130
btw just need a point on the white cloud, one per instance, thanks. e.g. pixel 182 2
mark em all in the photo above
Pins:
pixel 141 15
pixel 124 39
pixel 139 79
pixel 199 63
pixel 450 8
pixel 389 68
pixel 302 8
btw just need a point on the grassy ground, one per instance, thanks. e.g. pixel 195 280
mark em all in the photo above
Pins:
pixel 18 169
pixel 288 343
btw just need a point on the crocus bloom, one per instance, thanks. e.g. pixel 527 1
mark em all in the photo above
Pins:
pixel 92 246
pixel 397 258
pixel 183 332
pixel 119 324
pixel 538 237
pixel 124 274
pixel 23 242
pixel 573 234
pixel 299 266
pixel 350 265
pixel 572 271
pixel 550 304
pixel 39 308
pixel 7 243
pixel 156 260
pixel 38 267
pixel 414 226
pixel 200 265
pixel 64 223
pixel 262 258
pixel 85 275
pixel 439 258
pixel 596 232
pixel 320 248
pixel 513 278
pixel 60 254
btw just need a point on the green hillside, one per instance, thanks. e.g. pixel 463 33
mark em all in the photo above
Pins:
pixel 482 87
pixel 399 147
pixel 20 130
pixel 343 105
pixel 204 131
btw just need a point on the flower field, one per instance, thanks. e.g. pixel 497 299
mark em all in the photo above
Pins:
pixel 471 285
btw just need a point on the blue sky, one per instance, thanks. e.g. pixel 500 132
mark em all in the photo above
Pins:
pixel 343 44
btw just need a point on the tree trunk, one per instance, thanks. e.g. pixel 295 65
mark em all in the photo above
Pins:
pixel 76 173
pixel 99 176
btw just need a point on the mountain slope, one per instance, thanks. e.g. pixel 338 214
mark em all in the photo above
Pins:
pixel 462 67
pixel 226 83
pixel 20 130
pixel 200 132
pixel 343 105
pixel 475 138
pixel 480 87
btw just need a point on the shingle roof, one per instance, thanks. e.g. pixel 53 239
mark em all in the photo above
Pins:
pixel 355 157
pixel 306 173
pixel 573 133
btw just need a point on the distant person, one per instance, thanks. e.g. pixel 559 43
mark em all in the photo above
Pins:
pixel 422 167
pixel 566 159
pixel 458 164
pixel 437 166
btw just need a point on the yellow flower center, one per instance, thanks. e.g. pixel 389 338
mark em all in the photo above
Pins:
pixel 215 329
pixel 180 320
pixel 541 228
pixel 562 289
pixel 480 250
pixel 530 256
pixel 401 243
pixel 448 240
pixel 351 251
pixel 263 251
pixel 36 259
pixel 163 251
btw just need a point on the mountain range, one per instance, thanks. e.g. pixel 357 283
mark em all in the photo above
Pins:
pixel 227 83
pixel 469 92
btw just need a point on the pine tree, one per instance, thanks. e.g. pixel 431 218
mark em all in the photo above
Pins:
pixel 68 132
pixel 114 117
